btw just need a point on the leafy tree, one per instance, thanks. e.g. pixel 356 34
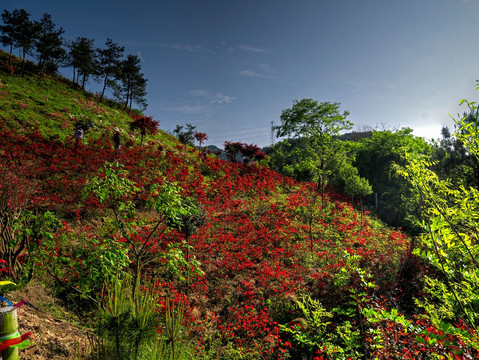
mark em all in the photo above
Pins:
pixel 318 123
pixel 233 149
pixel 117 192
pixel 145 124
pixel 252 152
pixel 308 118
pixel 238 151
pixel 138 91
pixel 450 244
pixel 186 136
pixel 347 177
pixel 200 137
pixel 453 159
pixel 82 58
pixel 18 32
pixel 48 47
pixel 8 32
pixel 286 157
pixel 109 63
pixel 133 83
pixel 374 158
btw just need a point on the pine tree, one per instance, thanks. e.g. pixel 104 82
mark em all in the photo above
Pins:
pixel 133 83
pixel 48 47
pixel 18 32
pixel 83 59
pixel 109 63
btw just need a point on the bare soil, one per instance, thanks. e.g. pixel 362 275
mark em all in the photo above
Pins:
pixel 53 338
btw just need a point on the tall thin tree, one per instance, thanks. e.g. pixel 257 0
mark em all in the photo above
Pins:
pixel 133 83
pixel 18 32
pixel 109 63
pixel 83 59
pixel 49 45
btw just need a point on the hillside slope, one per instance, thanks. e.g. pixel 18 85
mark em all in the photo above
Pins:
pixel 260 267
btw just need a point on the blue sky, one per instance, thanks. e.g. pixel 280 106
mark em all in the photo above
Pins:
pixel 230 67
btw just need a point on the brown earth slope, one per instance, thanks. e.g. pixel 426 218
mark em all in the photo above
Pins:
pixel 53 338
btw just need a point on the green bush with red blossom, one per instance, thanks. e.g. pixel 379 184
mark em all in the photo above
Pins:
pixel 254 248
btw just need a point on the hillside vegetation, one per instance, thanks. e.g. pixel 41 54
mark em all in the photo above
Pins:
pixel 162 252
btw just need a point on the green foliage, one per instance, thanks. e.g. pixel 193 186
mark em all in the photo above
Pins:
pixel 176 265
pixel 309 119
pixel 309 333
pixel 113 187
pixel 186 136
pixel 127 325
pixel 452 160
pixel 23 235
pixel 347 178
pixel 452 223
pixel 103 256
pixel 316 154
pixel 314 331
pixel 168 201
pixel 375 157
pixel 287 157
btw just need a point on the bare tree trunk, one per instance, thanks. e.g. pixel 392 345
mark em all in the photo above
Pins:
pixel 23 61
pixel 104 87
pixel 10 57
pixel 83 82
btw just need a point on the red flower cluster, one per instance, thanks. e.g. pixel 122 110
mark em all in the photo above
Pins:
pixel 257 251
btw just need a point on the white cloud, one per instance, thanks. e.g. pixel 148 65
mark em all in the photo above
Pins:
pixel 189 109
pixel 230 49
pixel 196 48
pixel 199 93
pixel 249 48
pixel 201 102
pixel 185 47
pixel 217 98
pixel 265 67
pixel 263 72
pixel 220 99
pixel 250 73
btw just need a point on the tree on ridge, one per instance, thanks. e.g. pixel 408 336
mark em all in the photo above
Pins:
pixel 19 32
pixel 48 47
pixel 318 123
pixel 109 64
pixel 82 57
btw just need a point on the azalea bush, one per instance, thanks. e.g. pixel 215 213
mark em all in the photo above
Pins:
pixel 247 256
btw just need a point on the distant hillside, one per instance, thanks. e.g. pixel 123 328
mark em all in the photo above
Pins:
pixel 55 106
pixel 217 151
